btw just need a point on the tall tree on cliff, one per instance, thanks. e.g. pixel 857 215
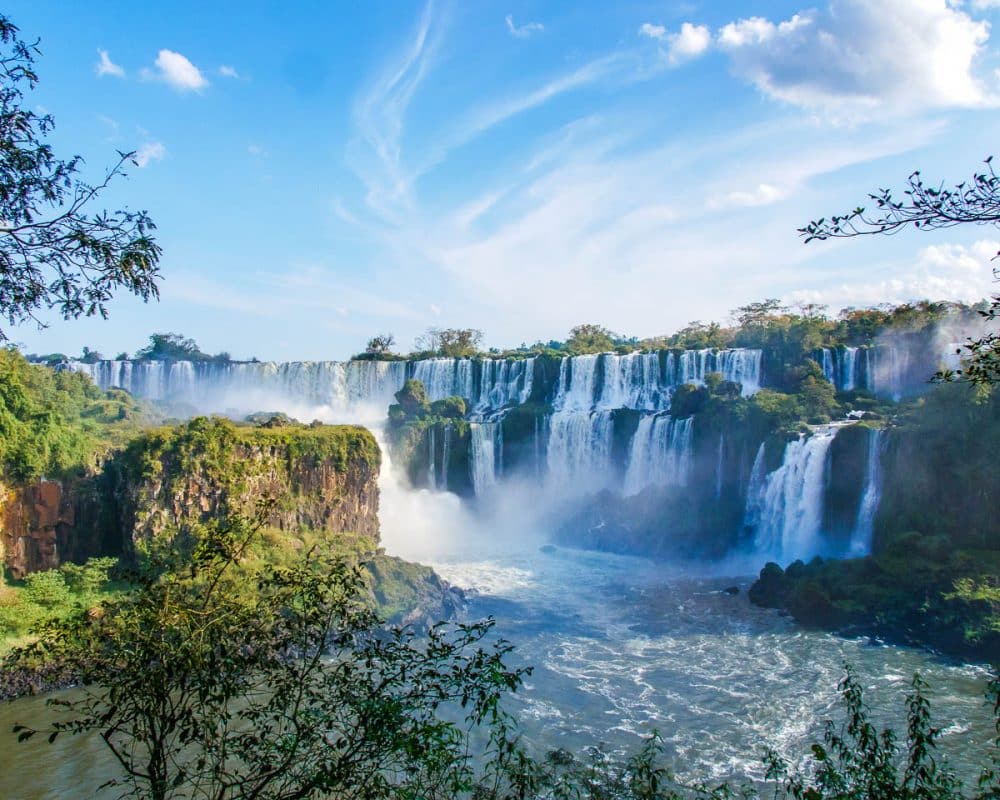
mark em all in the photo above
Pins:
pixel 932 207
pixel 56 250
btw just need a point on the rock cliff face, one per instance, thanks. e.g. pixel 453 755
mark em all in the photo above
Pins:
pixel 321 479
pixel 32 518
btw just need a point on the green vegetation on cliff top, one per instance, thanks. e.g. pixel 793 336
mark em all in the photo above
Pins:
pixel 56 423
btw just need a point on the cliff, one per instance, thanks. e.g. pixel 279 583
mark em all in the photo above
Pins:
pixel 321 478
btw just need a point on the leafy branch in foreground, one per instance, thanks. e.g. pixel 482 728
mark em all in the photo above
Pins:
pixel 55 252
pixel 200 688
pixel 975 202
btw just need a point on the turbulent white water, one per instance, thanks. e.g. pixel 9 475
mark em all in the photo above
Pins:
pixel 621 646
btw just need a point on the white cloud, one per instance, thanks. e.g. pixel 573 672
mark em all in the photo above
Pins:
pixel 176 70
pixel 652 31
pixel 256 150
pixel 524 31
pixel 151 151
pixel 105 66
pixel 691 41
pixel 954 272
pixel 762 195
pixel 228 72
pixel 972 260
pixel 905 54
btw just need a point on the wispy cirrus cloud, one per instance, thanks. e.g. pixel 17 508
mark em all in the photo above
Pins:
pixel 522 31
pixel 379 118
pixel 150 152
pixel 105 66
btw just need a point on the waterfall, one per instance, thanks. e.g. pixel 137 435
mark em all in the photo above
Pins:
pixel 633 381
pixel 579 449
pixel 445 377
pixel 847 376
pixel 755 490
pixel 660 454
pixel 575 389
pixel 502 383
pixel 785 509
pixel 431 466
pixel 445 456
pixel 861 538
pixel 739 365
pixel 483 456
pixel 826 360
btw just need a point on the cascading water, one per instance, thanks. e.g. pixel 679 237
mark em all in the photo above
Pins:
pixel 579 450
pixel 785 508
pixel 847 368
pixel 575 390
pixel 633 381
pixel 660 454
pixel 445 458
pixel 861 538
pixel 576 437
pixel 483 456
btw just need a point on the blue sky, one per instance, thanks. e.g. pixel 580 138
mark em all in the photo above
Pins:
pixel 321 172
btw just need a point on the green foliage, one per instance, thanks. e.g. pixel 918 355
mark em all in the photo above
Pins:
pixel 412 398
pixel 54 423
pixel 174 347
pixel 200 689
pixel 53 594
pixel 225 677
pixel 589 338
pixel 859 761
pixel 451 342
pixel 55 251
pixel 448 408
pixel 688 399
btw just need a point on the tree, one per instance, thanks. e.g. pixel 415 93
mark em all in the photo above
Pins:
pixel 88 356
pixel 451 342
pixel 757 315
pixel 56 251
pixel 380 344
pixel 217 679
pixel 931 207
pixel 172 346
pixel 590 338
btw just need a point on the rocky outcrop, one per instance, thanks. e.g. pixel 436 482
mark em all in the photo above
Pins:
pixel 319 478
pixel 32 517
